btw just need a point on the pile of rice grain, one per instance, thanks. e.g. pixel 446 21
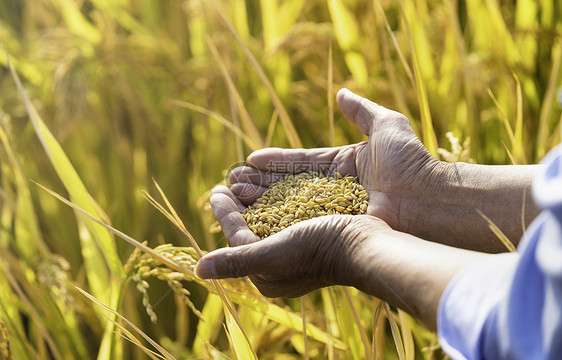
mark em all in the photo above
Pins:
pixel 302 197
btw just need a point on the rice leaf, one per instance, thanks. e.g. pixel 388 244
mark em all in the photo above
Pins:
pixel 10 314
pixel 129 336
pixel 546 115
pixel 349 329
pixel 77 23
pixel 29 241
pixel 497 231
pixel 248 126
pixel 358 324
pixel 409 346
pixel 417 35
pixel 330 95
pixel 238 339
pixel 515 149
pixel 395 332
pixel 502 41
pixel 347 34
pixel 402 56
pixel 329 311
pixel 282 316
pixel 206 330
pixel 32 312
pixel 292 135
pixel 428 133
pixel 249 141
pixel 379 333
pixel 101 252
pixel 518 134
pixel 526 21
pixel 305 337
pixel 240 14
pixel 163 352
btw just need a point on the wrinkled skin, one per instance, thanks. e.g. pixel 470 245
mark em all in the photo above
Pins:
pixel 412 196
pixel 312 254
pixel 392 165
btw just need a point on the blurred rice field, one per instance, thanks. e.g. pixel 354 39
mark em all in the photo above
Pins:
pixel 123 92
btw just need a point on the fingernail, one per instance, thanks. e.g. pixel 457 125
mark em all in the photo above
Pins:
pixel 205 269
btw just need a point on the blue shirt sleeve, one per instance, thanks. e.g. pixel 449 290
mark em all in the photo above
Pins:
pixel 510 305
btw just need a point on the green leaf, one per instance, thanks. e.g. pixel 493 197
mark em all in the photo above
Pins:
pixel 237 339
pixel 213 314
pixel 347 34
pixel 349 330
pixel 104 269
pixel 429 138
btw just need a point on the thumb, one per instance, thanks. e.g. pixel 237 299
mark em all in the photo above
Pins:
pixel 230 262
pixel 362 112
pixel 357 110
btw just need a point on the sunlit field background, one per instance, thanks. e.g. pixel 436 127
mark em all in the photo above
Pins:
pixel 125 96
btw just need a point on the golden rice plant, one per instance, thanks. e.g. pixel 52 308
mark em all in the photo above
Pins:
pixel 123 92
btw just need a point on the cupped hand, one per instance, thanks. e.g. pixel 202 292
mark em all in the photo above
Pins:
pixel 360 251
pixel 324 251
pixel 392 165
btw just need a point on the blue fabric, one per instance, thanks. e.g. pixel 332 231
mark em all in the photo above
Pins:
pixel 510 305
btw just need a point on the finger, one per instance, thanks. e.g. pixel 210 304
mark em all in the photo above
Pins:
pixel 247 193
pixel 232 223
pixel 261 258
pixel 356 109
pixel 248 174
pixel 283 160
pixel 323 160
pixel 221 189
pixel 251 175
pixel 365 113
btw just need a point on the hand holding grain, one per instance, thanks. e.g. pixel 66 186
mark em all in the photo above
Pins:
pixel 353 250
pixel 392 165
pixel 409 189
pixel 312 254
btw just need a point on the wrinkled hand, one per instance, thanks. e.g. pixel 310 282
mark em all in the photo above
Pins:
pixel 392 165
pixel 324 251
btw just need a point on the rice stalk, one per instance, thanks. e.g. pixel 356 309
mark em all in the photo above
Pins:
pixel 241 341
pixel 303 315
pixel 240 134
pixel 330 94
pixel 546 114
pixel 290 130
pixel 248 126
pixel 429 137
pixel 362 332
pixel 513 151
pixel 395 332
pixel 33 313
pixel 408 340
pixel 499 234
pixel 160 349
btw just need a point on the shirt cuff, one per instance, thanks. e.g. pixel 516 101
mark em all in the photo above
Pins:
pixel 470 300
